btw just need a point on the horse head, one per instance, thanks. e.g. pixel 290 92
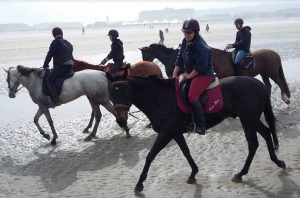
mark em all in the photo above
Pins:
pixel 146 54
pixel 12 79
pixel 120 95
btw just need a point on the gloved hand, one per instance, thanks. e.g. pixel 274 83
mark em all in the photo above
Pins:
pixel 103 61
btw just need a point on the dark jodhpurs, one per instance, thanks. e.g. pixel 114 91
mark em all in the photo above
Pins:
pixel 56 73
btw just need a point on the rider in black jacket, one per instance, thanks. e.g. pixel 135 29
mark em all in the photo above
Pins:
pixel 116 53
pixel 242 42
pixel 61 51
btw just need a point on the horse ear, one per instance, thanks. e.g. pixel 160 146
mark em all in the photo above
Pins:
pixel 5 70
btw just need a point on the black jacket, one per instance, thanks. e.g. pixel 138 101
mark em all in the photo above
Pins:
pixel 195 55
pixel 117 52
pixel 243 39
pixel 61 51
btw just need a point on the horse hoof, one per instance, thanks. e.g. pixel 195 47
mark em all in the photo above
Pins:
pixel 88 138
pixel 128 136
pixel 47 136
pixel 139 188
pixel 53 142
pixel 237 179
pixel 85 131
pixel 282 165
pixel 191 181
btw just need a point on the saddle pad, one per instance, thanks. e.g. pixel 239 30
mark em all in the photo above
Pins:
pixel 213 104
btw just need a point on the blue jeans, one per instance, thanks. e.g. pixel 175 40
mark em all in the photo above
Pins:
pixel 239 56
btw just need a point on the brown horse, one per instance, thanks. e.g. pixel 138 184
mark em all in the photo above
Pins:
pixel 268 65
pixel 142 68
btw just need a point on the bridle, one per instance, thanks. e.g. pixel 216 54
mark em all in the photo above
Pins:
pixel 119 106
pixel 15 84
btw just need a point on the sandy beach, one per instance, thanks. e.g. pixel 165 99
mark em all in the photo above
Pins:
pixel 111 165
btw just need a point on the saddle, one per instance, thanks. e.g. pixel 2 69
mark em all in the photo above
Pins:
pixel 211 99
pixel 122 69
pixel 58 83
pixel 248 62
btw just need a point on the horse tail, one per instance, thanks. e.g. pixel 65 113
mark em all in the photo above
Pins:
pixel 270 119
pixel 282 77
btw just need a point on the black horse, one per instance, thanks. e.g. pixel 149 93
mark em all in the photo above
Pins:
pixel 268 65
pixel 244 97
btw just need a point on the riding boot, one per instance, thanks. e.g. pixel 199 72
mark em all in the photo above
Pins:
pixel 199 118
pixel 53 94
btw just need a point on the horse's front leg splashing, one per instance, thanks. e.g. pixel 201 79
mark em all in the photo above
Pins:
pixel 36 121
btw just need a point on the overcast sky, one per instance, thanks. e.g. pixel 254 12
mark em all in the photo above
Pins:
pixel 39 11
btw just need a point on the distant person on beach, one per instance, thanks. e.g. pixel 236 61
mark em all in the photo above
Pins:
pixel 161 37
pixel 195 60
pixel 62 53
pixel 242 43
pixel 166 30
pixel 83 30
pixel 207 28
pixel 116 53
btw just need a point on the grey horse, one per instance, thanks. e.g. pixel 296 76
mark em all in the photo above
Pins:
pixel 91 83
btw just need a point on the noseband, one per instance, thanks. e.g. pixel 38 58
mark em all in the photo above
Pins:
pixel 119 106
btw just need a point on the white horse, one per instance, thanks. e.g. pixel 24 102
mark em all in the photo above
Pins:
pixel 91 83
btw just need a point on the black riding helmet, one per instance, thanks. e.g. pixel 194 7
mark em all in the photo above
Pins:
pixel 191 25
pixel 239 21
pixel 113 33
pixel 57 31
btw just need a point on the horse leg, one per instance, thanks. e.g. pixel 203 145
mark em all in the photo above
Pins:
pixel 86 130
pixel 98 115
pixel 122 122
pixel 50 121
pixel 36 122
pixel 266 134
pixel 186 152
pixel 161 141
pixel 282 84
pixel 251 138
pixel 266 81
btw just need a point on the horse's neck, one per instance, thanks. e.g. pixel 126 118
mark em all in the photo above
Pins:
pixel 162 56
pixel 31 82
pixel 151 99
pixel 222 63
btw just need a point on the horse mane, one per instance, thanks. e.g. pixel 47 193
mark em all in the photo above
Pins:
pixel 24 71
pixel 156 79
pixel 162 47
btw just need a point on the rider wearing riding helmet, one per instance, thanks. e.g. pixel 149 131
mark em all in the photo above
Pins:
pixel 242 43
pixel 116 53
pixel 61 51
pixel 196 60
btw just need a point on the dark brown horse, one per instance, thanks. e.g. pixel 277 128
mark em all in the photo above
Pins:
pixel 268 65
pixel 244 97
pixel 142 68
